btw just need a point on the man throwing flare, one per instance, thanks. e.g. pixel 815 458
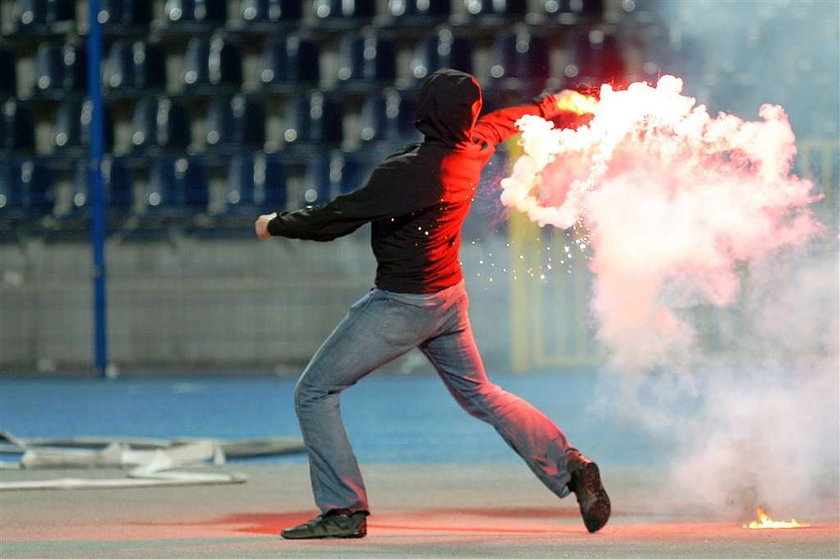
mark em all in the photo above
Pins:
pixel 416 201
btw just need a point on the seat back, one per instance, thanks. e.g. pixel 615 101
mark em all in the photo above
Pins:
pixel 212 63
pixel 314 119
pixel 289 60
pixel 270 11
pixel 160 123
pixel 442 49
pixel 236 121
pixel 367 59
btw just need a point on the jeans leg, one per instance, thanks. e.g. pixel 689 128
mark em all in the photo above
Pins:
pixel 530 433
pixel 355 348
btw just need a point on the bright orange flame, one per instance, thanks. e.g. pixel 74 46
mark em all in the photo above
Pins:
pixel 765 522
pixel 570 100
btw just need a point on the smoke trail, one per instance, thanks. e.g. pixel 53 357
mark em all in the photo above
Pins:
pixel 674 200
pixel 699 230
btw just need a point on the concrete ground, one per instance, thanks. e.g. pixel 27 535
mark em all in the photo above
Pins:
pixel 418 511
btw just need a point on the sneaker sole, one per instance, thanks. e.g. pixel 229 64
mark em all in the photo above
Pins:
pixel 326 537
pixel 599 513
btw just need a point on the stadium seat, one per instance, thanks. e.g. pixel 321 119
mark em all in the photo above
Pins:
pixel 419 13
pixel 42 16
pixel 72 126
pixel 289 62
pixel 495 12
pixel 256 183
pixel 125 12
pixel 25 189
pixel 212 64
pixel 135 68
pixel 195 15
pixel 572 11
pixel 520 56
pixel 176 185
pixel 160 124
pixel 343 14
pixel 313 119
pixel 330 174
pixel 441 50
pixel 256 12
pixel 8 73
pixel 17 128
pixel 60 69
pixel 366 61
pixel 596 59
pixel 237 121
pixel 388 117
pixel 117 186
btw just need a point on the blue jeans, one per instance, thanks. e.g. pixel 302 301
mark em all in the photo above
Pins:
pixel 382 326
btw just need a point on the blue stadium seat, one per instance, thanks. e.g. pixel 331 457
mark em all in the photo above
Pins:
pixel 388 117
pixel 330 174
pixel 8 73
pixel 289 62
pixel 442 49
pixel 366 61
pixel 520 56
pixel 42 16
pixel 118 188
pixel 237 121
pixel 212 64
pixel 256 183
pixel 125 12
pixel 160 124
pixel 256 12
pixel 596 59
pixel 573 11
pixel 495 12
pixel 419 13
pixel 17 128
pixel 72 126
pixel 195 15
pixel 135 68
pixel 177 185
pixel 60 69
pixel 25 189
pixel 343 14
pixel 119 185
pixel 313 119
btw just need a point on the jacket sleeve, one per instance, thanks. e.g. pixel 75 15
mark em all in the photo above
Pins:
pixel 386 194
pixel 496 127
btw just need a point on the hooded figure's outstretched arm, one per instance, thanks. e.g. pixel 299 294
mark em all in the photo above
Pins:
pixel 386 194
pixel 496 127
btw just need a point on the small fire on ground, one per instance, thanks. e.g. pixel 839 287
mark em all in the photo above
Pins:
pixel 765 522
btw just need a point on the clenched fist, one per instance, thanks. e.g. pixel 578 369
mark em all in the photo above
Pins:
pixel 261 225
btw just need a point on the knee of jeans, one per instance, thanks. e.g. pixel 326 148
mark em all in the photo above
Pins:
pixel 307 395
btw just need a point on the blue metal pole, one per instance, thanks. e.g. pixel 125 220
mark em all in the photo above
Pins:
pixel 96 188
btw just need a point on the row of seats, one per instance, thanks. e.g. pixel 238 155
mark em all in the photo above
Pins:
pixel 366 60
pixel 254 182
pixel 164 123
pixel 39 16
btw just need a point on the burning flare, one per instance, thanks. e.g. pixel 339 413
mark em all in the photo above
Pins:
pixel 765 522
pixel 674 199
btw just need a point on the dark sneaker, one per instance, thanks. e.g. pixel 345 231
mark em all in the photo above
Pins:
pixel 591 496
pixel 330 525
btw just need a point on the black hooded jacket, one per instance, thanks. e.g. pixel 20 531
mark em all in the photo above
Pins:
pixel 417 198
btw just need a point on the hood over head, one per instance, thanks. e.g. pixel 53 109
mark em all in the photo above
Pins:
pixel 449 105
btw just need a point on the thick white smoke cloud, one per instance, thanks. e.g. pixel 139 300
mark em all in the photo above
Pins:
pixel 674 200
pixel 697 225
